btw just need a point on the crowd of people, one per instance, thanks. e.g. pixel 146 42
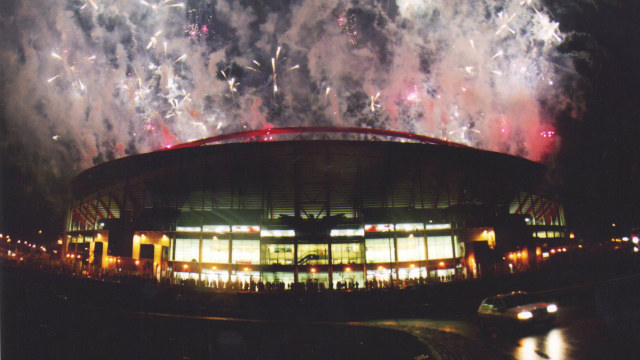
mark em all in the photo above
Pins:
pixel 79 269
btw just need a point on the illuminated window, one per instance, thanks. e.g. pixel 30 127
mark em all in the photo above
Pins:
pixel 245 252
pixel 220 229
pixel 440 247
pixel 279 254
pixel 187 249
pixel 411 248
pixel 379 250
pixel 188 228
pixel 438 226
pixel 277 277
pixel 215 250
pixel 347 232
pixel 378 228
pixel 277 233
pixel 217 275
pixel 245 229
pixel 346 253
pixel 409 227
pixel 313 254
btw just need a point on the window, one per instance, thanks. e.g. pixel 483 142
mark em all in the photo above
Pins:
pixel 346 253
pixel 379 250
pixel 440 247
pixel 188 228
pixel 409 227
pixel 187 249
pixel 378 227
pixel 347 232
pixel 411 248
pixel 215 250
pixel 220 229
pixel 438 226
pixel 246 252
pixel 312 254
pixel 277 233
pixel 279 254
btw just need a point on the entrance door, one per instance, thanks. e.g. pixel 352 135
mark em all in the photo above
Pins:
pixel 97 254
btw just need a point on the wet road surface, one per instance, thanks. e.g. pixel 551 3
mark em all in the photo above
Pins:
pixel 579 332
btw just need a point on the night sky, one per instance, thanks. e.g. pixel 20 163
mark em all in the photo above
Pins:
pixel 89 81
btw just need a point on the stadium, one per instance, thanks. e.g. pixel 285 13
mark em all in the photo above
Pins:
pixel 322 207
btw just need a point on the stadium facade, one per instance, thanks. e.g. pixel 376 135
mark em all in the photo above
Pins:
pixel 314 205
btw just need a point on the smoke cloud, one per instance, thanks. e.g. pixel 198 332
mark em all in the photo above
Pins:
pixel 86 81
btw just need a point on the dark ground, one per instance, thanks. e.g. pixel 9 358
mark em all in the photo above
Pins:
pixel 50 316
pixel 40 321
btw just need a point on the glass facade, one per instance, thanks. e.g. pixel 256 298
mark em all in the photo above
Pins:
pixel 382 253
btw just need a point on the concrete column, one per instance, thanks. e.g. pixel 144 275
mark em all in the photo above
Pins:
pixel 200 259
pixel 157 258
pixel 396 265
pixel 295 259
pixel 230 265
pixel 135 250
pixel 426 252
pixel 105 250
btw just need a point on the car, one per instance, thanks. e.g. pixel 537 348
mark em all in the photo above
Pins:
pixel 516 309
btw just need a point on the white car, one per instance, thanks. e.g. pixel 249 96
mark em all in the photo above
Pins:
pixel 517 308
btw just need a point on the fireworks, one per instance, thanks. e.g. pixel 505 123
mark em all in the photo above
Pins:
pixel 505 19
pixel 50 80
pixel 169 71
pixel 374 105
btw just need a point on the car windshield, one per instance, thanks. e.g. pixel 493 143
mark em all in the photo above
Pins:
pixel 517 300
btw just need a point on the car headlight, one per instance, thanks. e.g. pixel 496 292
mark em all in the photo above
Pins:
pixel 525 315
pixel 551 308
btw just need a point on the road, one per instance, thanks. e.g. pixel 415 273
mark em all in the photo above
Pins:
pixel 604 325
